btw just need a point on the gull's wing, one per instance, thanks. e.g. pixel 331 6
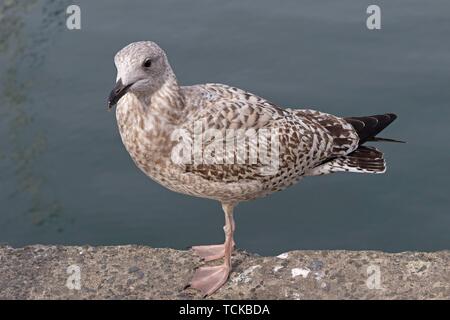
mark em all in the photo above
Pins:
pixel 296 140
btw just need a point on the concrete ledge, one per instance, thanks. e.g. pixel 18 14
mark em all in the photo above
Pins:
pixel 138 272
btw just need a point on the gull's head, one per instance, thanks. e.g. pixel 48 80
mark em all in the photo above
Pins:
pixel 142 67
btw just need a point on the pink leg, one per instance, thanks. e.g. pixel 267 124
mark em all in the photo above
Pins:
pixel 209 279
pixel 214 251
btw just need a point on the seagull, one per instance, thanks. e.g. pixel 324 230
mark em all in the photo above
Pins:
pixel 166 128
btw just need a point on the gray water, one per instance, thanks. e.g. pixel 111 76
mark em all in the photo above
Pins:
pixel 65 177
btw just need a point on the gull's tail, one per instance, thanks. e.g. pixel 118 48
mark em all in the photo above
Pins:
pixel 368 127
pixel 368 159
pixel 364 159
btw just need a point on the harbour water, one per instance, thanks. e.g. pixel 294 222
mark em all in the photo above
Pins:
pixel 67 179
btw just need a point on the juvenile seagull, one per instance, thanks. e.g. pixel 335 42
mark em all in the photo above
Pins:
pixel 152 106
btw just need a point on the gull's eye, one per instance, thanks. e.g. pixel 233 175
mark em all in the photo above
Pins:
pixel 147 63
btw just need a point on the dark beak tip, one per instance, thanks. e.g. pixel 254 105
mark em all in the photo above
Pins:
pixel 118 92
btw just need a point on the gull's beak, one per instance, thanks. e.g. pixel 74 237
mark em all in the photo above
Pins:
pixel 117 93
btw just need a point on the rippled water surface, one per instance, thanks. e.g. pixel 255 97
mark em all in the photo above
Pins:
pixel 67 179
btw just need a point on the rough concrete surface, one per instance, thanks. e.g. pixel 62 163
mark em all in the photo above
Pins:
pixel 138 272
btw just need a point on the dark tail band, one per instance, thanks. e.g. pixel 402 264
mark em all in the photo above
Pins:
pixel 368 127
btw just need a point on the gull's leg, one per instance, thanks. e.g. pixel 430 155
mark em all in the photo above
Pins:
pixel 215 251
pixel 209 279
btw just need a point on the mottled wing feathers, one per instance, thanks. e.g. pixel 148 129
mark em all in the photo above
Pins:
pixel 343 135
pixel 306 137
pixel 236 116
pixel 362 160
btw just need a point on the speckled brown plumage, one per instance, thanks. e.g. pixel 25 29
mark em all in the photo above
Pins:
pixel 307 138
pixel 155 106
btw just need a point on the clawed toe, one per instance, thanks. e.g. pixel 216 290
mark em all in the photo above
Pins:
pixel 209 279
